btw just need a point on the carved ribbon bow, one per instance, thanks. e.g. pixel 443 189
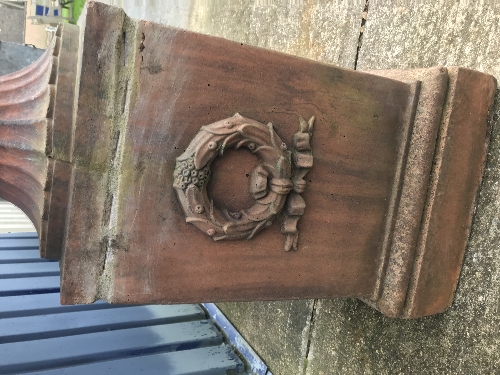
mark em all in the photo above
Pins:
pixel 302 160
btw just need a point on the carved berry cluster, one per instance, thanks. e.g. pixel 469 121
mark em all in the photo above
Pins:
pixel 186 174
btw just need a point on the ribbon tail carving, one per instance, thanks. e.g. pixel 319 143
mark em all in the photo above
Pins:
pixel 302 161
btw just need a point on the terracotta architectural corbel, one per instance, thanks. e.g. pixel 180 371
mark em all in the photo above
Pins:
pixel 134 146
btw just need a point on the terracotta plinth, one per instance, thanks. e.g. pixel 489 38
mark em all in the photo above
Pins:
pixel 176 167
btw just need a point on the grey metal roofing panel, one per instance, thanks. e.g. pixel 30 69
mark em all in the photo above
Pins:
pixel 17 235
pixel 92 347
pixel 40 304
pixel 17 270
pixel 18 243
pixel 20 256
pixel 29 285
pixel 38 335
pixel 73 323
pixel 215 360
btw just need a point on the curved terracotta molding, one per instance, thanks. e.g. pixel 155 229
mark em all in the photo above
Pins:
pixel 30 176
pixel 112 153
pixel 24 105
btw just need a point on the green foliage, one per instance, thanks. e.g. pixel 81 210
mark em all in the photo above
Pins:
pixel 77 10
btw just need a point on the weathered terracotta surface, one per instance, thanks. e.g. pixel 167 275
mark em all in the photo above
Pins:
pixel 374 225
pixel 448 150
pixel 178 81
pixel 456 176
pixel 24 104
pixel 397 259
pixel 59 142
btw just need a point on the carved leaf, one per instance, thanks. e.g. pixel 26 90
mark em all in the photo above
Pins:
pixel 225 127
pixel 258 182
pixel 257 212
pixel 204 154
pixel 258 133
pixel 198 220
pixel 215 215
pixel 243 142
pixel 278 204
pixel 202 224
pixel 220 237
pixel 267 153
pixel 231 228
pixel 195 199
pixel 193 146
pixel 257 229
pixel 284 166
pixel 274 141
pixel 231 141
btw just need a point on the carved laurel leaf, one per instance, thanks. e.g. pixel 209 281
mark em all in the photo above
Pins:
pixel 195 200
pixel 237 228
pixel 207 150
pixel 215 215
pixel 268 153
pixel 224 127
pixel 258 182
pixel 193 219
pixel 220 237
pixel 258 212
pixel 258 134
pixel 257 229
pixel 230 141
pixel 193 146
pixel 271 135
pixel 284 164
pixel 202 224
pixel 243 142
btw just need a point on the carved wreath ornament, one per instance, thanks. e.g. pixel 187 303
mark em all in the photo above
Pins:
pixel 275 182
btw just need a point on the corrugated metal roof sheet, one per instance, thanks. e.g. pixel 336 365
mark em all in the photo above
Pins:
pixel 29 288
pixel 12 219
pixel 39 335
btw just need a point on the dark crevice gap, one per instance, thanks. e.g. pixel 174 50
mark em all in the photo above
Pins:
pixel 361 30
pixel 310 334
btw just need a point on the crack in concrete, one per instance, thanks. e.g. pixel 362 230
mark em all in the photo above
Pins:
pixel 316 301
pixel 312 319
pixel 364 16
